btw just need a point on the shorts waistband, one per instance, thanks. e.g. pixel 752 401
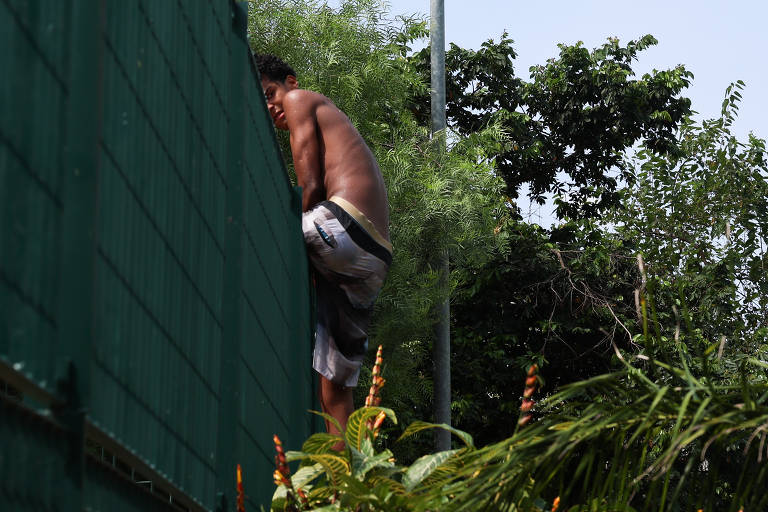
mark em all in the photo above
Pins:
pixel 361 219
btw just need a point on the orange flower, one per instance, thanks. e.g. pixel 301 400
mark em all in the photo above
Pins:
pixel 240 492
pixel 377 424
pixel 281 475
pixel 373 398
pixel 527 405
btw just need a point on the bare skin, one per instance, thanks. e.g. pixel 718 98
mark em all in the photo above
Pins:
pixel 329 155
pixel 337 401
pixel 331 159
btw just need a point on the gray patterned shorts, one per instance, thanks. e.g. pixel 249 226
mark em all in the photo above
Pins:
pixel 351 260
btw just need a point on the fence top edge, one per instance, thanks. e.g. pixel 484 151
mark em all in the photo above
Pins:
pixel 99 436
pixel 12 374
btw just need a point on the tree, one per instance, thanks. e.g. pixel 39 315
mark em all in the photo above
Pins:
pixel 700 220
pixel 565 296
pixel 572 296
pixel 352 54
pixel 577 116
pixel 561 299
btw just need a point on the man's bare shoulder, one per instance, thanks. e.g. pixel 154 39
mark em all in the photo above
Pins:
pixel 305 99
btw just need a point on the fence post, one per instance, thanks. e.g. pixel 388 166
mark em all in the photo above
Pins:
pixel 79 226
pixel 227 446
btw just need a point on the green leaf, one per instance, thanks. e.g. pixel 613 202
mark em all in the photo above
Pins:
pixel 425 466
pixel 385 481
pixel 362 464
pixel 367 447
pixel 356 429
pixel 334 465
pixel 305 475
pixel 300 479
pixel 293 455
pixel 419 426
pixel 330 418
pixel 327 508
pixel 321 442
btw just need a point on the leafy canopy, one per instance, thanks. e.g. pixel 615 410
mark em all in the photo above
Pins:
pixel 571 124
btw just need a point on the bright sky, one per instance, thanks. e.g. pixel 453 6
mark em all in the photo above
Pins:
pixel 719 41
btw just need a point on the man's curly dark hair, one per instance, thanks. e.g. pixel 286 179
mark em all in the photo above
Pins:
pixel 273 67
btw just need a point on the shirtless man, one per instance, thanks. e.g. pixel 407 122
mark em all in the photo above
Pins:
pixel 345 224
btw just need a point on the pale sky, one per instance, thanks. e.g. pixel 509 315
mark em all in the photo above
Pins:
pixel 720 42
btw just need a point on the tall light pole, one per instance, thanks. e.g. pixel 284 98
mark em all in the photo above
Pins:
pixel 441 352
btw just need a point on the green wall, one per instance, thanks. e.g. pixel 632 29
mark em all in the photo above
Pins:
pixel 153 281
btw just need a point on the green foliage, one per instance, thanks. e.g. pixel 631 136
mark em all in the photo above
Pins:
pixel 438 199
pixel 562 299
pixel 361 478
pixel 623 440
pixel 419 426
pixel 572 296
pixel 425 467
pixel 577 116
pixel 649 436
pixel 700 220
pixel 353 54
pixel 356 432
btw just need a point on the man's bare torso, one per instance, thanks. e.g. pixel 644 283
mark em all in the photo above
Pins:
pixel 347 166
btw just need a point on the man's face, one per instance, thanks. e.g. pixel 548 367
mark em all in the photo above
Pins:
pixel 275 92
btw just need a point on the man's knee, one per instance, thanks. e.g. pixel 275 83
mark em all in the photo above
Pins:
pixel 334 391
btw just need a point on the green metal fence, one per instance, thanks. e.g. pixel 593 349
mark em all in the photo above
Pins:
pixel 154 305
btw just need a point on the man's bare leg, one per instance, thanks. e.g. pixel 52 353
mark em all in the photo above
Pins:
pixel 337 401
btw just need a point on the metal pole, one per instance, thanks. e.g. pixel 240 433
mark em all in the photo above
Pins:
pixel 437 53
pixel 441 352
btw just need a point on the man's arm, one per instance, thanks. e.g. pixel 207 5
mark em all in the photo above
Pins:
pixel 301 117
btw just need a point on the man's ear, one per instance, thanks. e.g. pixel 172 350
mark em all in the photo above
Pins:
pixel 291 82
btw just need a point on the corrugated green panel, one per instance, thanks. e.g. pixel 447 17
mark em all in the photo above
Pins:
pixel 276 375
pixel 302 334
pixel 161 255
pixel 34 465
pixel 157 276
pixel 79 217
pixel 228 454
pixel 33 95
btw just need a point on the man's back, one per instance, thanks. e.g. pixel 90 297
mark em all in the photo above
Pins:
pixel 348 168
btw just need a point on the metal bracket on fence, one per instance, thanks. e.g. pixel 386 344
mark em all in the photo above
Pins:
pixel 130 466
pixel 66 387
pixel 69 412
pixel 221 498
